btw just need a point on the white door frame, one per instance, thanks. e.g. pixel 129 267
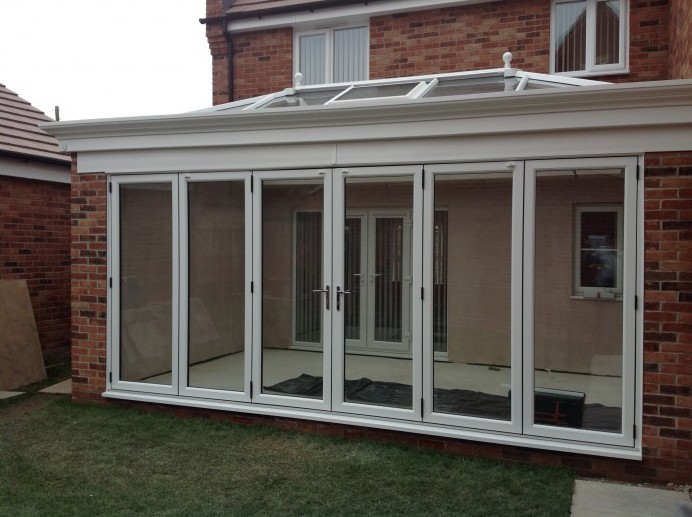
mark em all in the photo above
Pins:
pixel 629 276
pixel 115 256
pixel 325 176
pixel 415 172
pixel 184 389
pixel 475 171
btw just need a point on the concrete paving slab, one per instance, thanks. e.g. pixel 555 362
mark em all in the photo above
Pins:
pixel 9 394
pixel 61 388
pixel 599 499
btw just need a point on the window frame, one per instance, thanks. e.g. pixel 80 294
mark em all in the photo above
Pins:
pixel 329 49
pixel 591 68
pixel 578 290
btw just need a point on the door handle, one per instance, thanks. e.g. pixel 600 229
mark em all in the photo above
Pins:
pixel 325 291
pixel 339 292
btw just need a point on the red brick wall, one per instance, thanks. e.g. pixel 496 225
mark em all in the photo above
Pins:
pixel 35 246
pixel 681 39
pixel 461 38
pixel 89 285
pixel 668 313
pixel 444 40
pixel 262 62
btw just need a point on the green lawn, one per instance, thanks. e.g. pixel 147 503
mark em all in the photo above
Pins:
pixel 57 458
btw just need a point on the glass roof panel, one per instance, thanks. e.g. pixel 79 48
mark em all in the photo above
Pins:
pixel 306 98
pixel 468 86
pixel 378 91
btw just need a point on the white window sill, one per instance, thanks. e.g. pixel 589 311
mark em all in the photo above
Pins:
pixel 583 74
pixel 604 298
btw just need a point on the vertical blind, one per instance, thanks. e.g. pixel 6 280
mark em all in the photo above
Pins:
pixel 570 36
pixel 312 58
pixel 350 54
pixel 308 276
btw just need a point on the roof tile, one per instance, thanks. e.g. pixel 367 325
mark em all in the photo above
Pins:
pixel 19 131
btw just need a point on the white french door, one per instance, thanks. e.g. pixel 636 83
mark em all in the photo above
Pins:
pixel 377 261
pixel 377 276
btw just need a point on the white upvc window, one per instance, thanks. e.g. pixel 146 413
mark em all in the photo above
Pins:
pixel 589 37
pixel 598 251
pixel 332 55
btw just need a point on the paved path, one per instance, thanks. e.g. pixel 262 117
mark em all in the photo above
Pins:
pixel 599 499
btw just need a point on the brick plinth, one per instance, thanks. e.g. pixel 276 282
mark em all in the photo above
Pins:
pixel 35 246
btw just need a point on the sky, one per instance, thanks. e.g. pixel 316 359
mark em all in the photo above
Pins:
pixel 103 59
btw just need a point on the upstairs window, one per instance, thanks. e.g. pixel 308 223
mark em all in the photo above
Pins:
pixel 334 55
pixel 589 36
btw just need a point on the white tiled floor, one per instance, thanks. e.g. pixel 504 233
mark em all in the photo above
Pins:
pixel 282 364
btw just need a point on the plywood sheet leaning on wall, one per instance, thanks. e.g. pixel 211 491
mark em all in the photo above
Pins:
pixel 21 361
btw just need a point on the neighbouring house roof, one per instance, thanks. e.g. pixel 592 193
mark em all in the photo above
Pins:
pixel 20 134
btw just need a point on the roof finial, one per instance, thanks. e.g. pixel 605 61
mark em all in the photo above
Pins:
pixel 298 80
pixel 507 58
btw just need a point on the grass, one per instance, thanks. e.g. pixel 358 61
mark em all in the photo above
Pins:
pixel 57 458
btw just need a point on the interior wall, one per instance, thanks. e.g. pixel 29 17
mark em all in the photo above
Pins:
pixel 574 335
pixel 145 280
pixel 217 269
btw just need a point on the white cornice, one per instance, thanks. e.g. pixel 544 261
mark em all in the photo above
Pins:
pixel 337 15
pixel 608 106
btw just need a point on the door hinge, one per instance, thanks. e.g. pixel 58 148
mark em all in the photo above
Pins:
pixel 634 431
pixel 110 282
pixel 422 412
pixel 252 287
pixel 638 171
pixel 423 180
pixel 252 184
pixel 110 187
pixel 110 377
pixel 250 389
pixel 422 293
pixel 636 302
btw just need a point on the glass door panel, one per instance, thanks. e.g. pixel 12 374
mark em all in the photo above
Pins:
pixel 580 274
pixel 294 295
pixel 215 284
pixel 473 274
pixel 374 276
pixel 475 378
pixel 145 330
pixel 578 333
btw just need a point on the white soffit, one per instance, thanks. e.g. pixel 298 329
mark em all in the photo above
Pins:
pixel 323 16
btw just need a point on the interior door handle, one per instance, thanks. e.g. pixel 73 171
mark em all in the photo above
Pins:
pixel 339 292
pixel 326 291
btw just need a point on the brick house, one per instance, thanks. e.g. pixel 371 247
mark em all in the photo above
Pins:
pixel 35 219
pixel 418 238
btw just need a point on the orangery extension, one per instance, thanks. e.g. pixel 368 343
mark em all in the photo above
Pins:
pixel 494 263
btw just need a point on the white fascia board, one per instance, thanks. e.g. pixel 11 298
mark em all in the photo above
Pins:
pixel 601 106
pixel 547 144
pixel 323 16
pixel 34 170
